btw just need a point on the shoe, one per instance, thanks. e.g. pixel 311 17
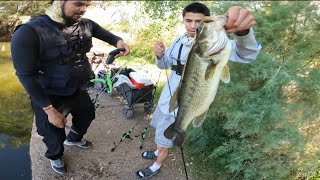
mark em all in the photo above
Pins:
pixel 82 144
pixel 146 173
pixel 149 155
pixel 58 166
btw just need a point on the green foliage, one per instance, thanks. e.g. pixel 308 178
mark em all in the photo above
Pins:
pixel 146 38
pixel 164 9
pixel 12 13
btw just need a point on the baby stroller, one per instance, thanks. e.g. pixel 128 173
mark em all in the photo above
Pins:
pixel 132 95
pixel 138 93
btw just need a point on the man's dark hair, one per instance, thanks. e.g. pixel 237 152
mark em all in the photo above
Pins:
pixel 51 1
pixel 196 8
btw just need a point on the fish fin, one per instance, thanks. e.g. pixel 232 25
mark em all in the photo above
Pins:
pixel 225 75
pixel 173 104
pixel 198 121
pixel 210 70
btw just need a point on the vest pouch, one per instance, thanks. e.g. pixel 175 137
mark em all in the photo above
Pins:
pixel 80 74
pixel 55 76
pixel 86 44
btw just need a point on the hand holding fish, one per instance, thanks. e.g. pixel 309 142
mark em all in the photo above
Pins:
pixel 240 20
pixel 159 49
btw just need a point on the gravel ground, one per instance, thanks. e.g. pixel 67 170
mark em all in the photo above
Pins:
pixel 100 162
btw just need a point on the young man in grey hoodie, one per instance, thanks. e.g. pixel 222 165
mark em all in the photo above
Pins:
pixel 244 50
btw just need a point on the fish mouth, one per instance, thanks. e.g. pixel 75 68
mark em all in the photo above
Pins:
pixel 218 46
pixel 210 48
pixel 212 36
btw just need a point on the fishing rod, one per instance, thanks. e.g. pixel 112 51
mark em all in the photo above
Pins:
pixel 127 134
pixel 174 112
pixel 143 135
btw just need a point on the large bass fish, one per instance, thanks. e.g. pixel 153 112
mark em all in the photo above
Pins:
pixel 205 67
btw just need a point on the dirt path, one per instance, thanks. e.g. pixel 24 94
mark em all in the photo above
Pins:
pixel 99 162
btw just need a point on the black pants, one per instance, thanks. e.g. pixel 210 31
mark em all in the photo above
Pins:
pixel 82 111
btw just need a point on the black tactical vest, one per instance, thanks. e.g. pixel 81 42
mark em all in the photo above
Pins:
pixel 63 64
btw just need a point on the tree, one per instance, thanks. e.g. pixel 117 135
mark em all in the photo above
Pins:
pixel 12 11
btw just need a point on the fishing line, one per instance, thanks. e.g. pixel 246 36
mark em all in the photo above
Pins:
pixel 185 168
pixel 174 113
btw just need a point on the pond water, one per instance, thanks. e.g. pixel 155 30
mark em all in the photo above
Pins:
pixel 14 161
pixel 15 122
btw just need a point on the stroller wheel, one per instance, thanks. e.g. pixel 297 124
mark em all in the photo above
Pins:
pixel 147 106
pixel 127 112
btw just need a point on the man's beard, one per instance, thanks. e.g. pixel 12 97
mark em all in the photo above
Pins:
pixel 70 21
